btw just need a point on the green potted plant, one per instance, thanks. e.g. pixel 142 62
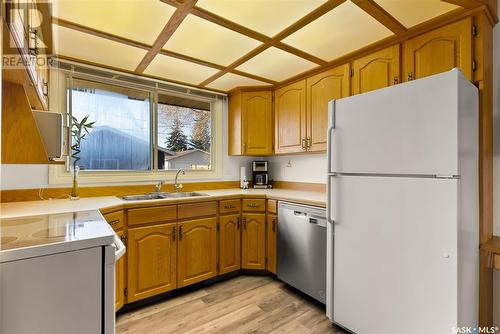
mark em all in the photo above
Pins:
pixel 79 130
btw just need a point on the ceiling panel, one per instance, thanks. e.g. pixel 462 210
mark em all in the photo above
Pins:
pixel 178 70
pixel 411 13
pixel 141 20
pixel 340 31
pixel 75 44
pixel 229 81
pixel 204 40
pixel 261 15
pixel 276 64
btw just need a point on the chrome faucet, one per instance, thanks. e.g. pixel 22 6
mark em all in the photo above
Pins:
pixel 178 186
pixel 158 186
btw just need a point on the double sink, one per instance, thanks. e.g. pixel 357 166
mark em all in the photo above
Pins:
pixel 161 195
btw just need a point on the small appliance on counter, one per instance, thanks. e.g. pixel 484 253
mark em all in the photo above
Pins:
pixel 260 175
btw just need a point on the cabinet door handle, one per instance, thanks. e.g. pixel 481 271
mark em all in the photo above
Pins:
pixel 173 233
pixel 244 223
pixel 410 76
pixel 303 144
pixel 45 88
pixel 308 142
pixel 274 225
pixel 238 223
pixel 180 232
pixel 396 80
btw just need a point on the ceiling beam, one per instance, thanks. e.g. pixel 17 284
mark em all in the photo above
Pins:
pixel 468 4
pixel 381 15
pixel 173 23
pixel 270 41
pixel 276 41
pixel 111 37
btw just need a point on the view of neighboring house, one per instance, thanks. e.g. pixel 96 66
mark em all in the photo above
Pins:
pixel 190 159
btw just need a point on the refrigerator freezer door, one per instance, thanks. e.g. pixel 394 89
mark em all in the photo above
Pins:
pixel 411 128
pixel 395 254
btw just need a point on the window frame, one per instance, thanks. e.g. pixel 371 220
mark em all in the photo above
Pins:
pixel 60 174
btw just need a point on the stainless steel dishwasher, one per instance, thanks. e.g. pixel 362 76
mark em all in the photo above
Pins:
pixel 302 248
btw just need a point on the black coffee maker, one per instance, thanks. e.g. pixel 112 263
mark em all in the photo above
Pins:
pixel 260 174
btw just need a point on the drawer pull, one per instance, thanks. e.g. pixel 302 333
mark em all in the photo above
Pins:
pixel 229 206
pixel 114 222
pixel 253 205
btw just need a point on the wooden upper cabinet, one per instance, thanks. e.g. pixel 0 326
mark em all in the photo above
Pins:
pixel 151 260
pixel 290 118
pixel 251 123
pixel 229 243
pixel 253 248
pixel 439 51
pixel 120 278
pixel 377 70
pixel 197 246
pixel 322 88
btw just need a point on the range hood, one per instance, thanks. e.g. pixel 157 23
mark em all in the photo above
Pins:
pixel 50 127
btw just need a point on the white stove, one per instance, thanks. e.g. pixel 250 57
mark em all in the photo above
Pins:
pixel 58 273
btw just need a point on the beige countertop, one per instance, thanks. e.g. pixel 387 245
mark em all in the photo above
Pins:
pixel 31 208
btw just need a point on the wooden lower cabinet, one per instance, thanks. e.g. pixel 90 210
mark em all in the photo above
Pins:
pixel 253 249
pixel 229 243
pixel 151 260
pixel 120 278
pixel 271 233
pixel 197 247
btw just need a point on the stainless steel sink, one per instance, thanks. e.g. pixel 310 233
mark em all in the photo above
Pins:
pixel 151 196
pixel 185 194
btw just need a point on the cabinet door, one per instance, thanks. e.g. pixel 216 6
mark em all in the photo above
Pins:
pixel 290 118
pixel 151 260
pixel 321 88
pixel 377 70
pixel 272 228
pixel 120 278
pixel 257 123
pixel 439 51
pixel 229 243
pixel 254 241
pixel 197 247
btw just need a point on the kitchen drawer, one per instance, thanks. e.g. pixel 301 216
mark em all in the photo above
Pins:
pixel 271 206
pixel 116 219
pixel 231 205
pixel 254 205
pixel 197 210
pixel 152 215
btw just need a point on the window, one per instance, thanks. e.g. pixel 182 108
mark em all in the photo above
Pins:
pixel 143 133
pixel 120 137
pixel 184 134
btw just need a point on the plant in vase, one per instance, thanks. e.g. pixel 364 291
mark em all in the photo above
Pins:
pixel 79 130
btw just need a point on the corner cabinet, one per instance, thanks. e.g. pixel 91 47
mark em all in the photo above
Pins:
pixel 377 70
pixel 251 123
pixel 197 247
pixel 253 247
pixel 439 51
pixel 151 260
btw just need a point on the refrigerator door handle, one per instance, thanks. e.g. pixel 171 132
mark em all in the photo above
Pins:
pixel 331 121
pixel 329 218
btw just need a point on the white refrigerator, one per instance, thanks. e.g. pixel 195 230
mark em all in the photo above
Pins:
pixel 403 231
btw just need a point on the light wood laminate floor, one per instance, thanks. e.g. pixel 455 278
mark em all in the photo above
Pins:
pixel 244 304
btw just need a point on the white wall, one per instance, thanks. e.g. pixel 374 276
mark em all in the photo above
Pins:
pixel 299 168
pixel 496 161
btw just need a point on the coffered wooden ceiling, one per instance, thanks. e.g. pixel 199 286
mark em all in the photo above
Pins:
pixel 224 44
